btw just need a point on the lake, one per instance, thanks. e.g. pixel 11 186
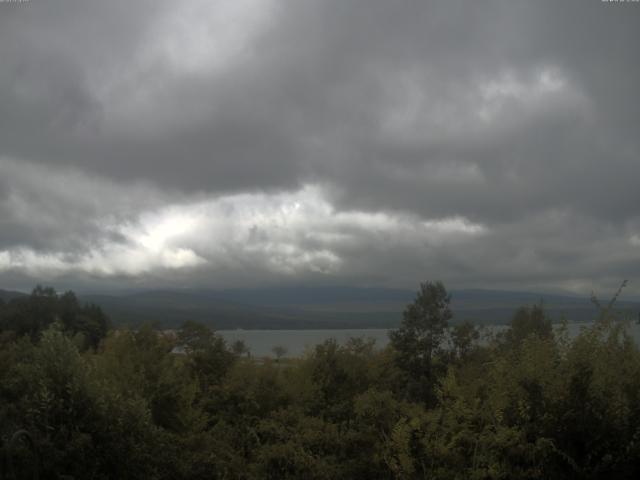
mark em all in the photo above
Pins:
pixel 261 342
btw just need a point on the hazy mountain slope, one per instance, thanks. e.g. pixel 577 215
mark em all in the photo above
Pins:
pixel 334 307
pixel 7 295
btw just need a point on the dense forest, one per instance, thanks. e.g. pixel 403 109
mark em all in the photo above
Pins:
pixel 441 401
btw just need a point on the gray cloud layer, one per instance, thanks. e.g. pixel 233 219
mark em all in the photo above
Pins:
pixel 485 143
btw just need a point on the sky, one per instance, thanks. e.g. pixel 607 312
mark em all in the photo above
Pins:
pixel 247 143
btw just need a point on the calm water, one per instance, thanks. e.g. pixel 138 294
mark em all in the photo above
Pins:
pixel 261 342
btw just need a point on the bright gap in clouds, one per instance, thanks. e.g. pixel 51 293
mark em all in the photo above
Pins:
pixel 186 42
pixel 204 35
pixel 285 233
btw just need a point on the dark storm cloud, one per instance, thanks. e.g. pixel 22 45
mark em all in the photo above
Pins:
pixel 519 118
pixel 308 92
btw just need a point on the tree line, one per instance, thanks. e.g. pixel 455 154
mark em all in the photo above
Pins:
pixel 438 402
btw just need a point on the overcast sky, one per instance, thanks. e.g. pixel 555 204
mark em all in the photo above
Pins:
pixel 333 142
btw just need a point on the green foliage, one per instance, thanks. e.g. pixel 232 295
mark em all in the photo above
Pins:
pixel 81 425
pixel 207 354
pixel 147 404
pixel 528 321
pixel 33 314
pixel 417 342
pixel 464 337
pixel 279 351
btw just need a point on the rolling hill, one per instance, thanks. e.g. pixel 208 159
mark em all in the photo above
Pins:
pixel 330 307
pixel 7 295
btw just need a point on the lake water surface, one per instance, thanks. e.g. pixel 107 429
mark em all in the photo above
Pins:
pixel 261 342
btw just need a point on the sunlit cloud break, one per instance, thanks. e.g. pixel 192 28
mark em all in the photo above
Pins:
pixel 285 233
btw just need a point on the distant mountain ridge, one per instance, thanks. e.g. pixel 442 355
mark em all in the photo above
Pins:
pixel 7 295
pixel 326 307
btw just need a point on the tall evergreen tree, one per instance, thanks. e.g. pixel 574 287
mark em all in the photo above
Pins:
pixel 419 338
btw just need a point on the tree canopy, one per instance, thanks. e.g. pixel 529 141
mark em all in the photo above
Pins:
pixel 419 339
pixel 438 402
